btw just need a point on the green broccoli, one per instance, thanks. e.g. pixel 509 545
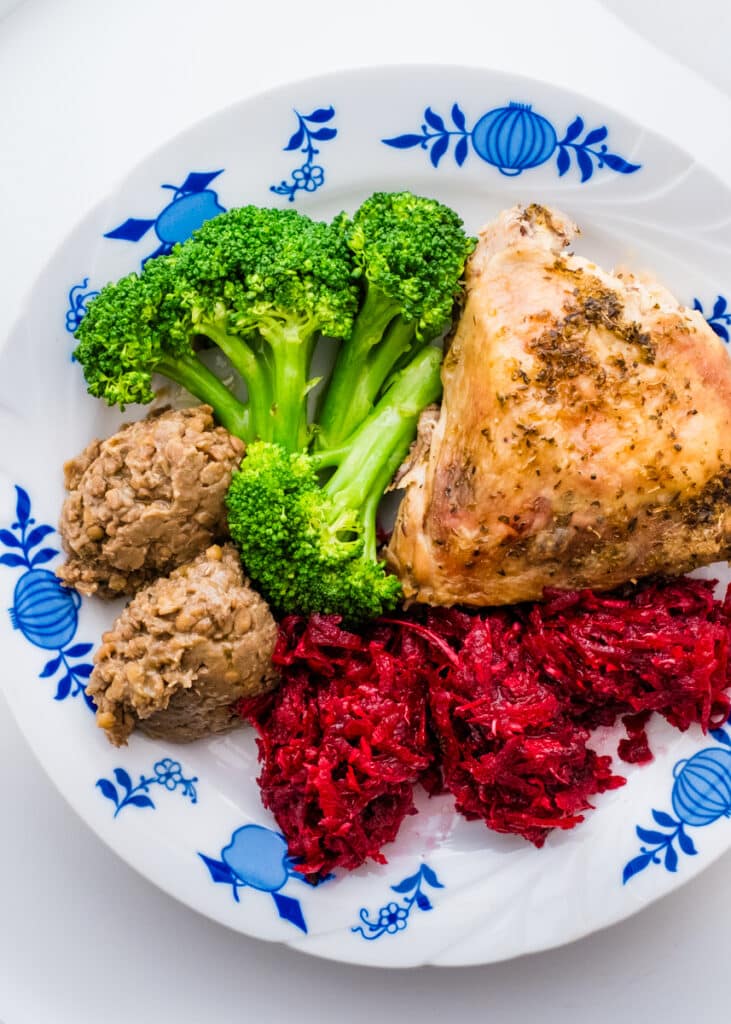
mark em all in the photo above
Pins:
pixel 131 331
pixel 411 253
pixel 262 285
pixel 311 546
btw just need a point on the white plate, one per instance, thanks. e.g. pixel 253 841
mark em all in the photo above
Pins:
pixel 473 897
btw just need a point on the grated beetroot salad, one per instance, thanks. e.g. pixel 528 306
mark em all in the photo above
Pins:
pixel 342 741
pixel 511 753
pixel 497 707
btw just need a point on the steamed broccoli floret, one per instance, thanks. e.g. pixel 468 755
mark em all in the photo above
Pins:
pixel 261 284
pixel 311 546
pixel 411 253
pixel 132 330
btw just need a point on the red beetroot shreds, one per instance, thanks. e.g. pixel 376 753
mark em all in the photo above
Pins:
pixel 342 741
pixel 512 719
pixel 509 752
pixel 635 749
pixel 510 695
pixel 664 647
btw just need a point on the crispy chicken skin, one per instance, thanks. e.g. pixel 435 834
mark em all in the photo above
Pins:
pixel 584 437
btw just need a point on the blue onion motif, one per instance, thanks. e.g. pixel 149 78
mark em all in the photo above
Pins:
pixel 44 611
pixel 393 917
pixel 702 790
pixel 701 796
pixel 78 298
pixel 167 773
pixel 193 203
pixel 309 176
pixel 720 317
pixel 257 858
pixel 514 139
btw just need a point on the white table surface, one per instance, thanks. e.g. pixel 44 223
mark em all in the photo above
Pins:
pixel 88 87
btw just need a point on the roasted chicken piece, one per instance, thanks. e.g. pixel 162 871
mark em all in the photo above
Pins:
pixel 584 437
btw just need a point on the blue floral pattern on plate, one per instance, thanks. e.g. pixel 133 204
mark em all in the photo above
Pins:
pixel 393 917
pixel 257 858
pixel 720 316
pixel 43 609
pixel 701 795
pixel 193 203
pixel 309 176
pixel 167 773
pixel 79 295
pixel 514 139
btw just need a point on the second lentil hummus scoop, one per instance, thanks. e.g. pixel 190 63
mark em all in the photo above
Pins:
pixel 183 652
pixel 146 500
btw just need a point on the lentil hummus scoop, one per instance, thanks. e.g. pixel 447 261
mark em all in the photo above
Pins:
pixel 183 652
pixel 146 500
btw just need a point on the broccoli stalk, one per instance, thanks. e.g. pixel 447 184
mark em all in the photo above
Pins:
pixel 203 384
pixel 275 364
pixel 249 367
pixel 311 546
pixel 411 253
pixel 262 285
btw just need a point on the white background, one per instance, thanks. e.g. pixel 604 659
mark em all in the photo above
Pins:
pixel 87 88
